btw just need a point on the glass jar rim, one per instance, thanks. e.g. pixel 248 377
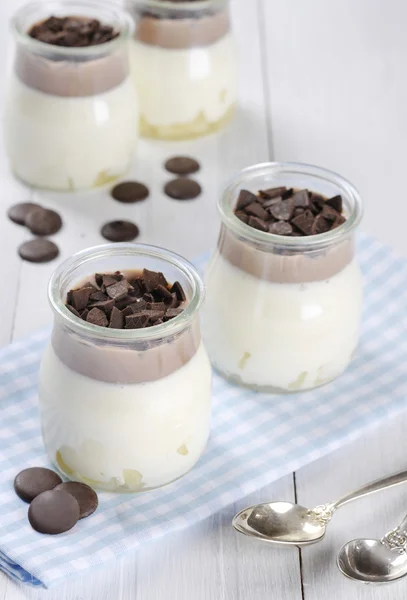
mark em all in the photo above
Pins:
pixel 82 51
pixel 294 243
pixel 169 328
pixel 182 5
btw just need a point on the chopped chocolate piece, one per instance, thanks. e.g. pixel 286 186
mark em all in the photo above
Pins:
pixel 73 311
pixel 18 213
pixel 318 199
pixel 272 192
pixel 287 194
pixel 116 319
pixel 98 296
pixel 301 199
pixel 281 228
pixel 148 297
pixel 174 301
pixel 245 198
pixel 173 312
pixel 298 211
pixel 80 298
pixel 126 301
pixel 271 201
pixel 72 31
pixel 256 210
pixel 242 216
pixel 120 231
pixel 158 322
pixel 127 311
pixel 320 225
pixel 106 306
pixel 44 222
pixel 314 208
pixel 118 290
pixel 97 317
pixel 182 188
pixel 136 321
pixel 179 291
pixel 110 279
pixel 283 211
pixel 335 203
pixel 130 192
pixel 38 251
pixel 340 219
pixel 153 315
pixel 182 165
pixel 153 279
pixel 163 292
pixel 304 222
pixel 137 306
pixel 329 213
pixel 157 305
pixel 84 314
pixel 257 223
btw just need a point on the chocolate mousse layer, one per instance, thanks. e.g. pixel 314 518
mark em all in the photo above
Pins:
pixel 55 71
pixel 177 30
pixel 287 213
pixel 134 301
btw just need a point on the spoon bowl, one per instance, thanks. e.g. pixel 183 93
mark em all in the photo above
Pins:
pixel 280 523
pixel 372 561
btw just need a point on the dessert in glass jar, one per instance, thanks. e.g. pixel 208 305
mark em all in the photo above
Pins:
pixel 71 117
pixel 184 65
pixel 125 383
pixel 284 289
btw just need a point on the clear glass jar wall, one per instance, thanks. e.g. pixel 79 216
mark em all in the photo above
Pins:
pixel 125 410
pixel 184 66
pixel 282 314
pixel 71 117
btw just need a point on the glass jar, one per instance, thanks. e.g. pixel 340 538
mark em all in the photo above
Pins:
pixel 125 410
pixel 71 117
pixel 184 65
pixel 282 314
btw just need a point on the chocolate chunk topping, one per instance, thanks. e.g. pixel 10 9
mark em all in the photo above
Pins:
pixel 289 212
pixel 130 192
pixel 18 213
pixel 97 317
pixel 182 165
pixel 83 494
pixel 120 231
pixel 38 251
pixel 118 309
pixel 42 221
pixel 72 32
pixel 182 188
pixel 53 512
pixel 33 481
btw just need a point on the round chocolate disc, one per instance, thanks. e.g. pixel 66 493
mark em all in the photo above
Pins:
pixel 130 191
pixel 53 512
pixel 120 231
pixel 38 251
pixel 43 221
pixel 182 188
pixel 28 484
pixel 18 213
pixel 83 494
pixel 182 165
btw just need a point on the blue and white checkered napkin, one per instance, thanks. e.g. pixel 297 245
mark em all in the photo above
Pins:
pixel 255 439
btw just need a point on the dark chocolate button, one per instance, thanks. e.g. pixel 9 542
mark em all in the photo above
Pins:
pixel 130 191
pixel 43 221
pixel 182 165
pixel 182 188
pixel 53 512
pixel 38 251
pixel 83 494
pixel 31 482
pixel 120 231
pixel 18 213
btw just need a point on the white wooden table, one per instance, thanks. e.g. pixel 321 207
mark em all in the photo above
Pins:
pixel 321 82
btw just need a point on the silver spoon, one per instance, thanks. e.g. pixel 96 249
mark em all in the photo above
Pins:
pixel 289 524
pixel 376 561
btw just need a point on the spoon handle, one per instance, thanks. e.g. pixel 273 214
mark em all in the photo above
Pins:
pixel 370 488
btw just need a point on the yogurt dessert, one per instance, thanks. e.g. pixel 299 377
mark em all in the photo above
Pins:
pixel 284 290
pixel 71 117
pixel 184 67
pixel 125 383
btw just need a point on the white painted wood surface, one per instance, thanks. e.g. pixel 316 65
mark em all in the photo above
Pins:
pixel 321 82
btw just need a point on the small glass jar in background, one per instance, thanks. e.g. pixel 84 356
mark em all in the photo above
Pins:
pixel 184 65
pixel 125 410
pixel 282 314
pixel 71 117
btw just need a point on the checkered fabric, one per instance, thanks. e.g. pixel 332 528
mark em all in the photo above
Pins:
pixel 254 440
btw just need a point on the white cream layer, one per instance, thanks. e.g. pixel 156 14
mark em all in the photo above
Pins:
pixel 70 143
pixel 282 336
pixel 177 86
pixel 126 437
